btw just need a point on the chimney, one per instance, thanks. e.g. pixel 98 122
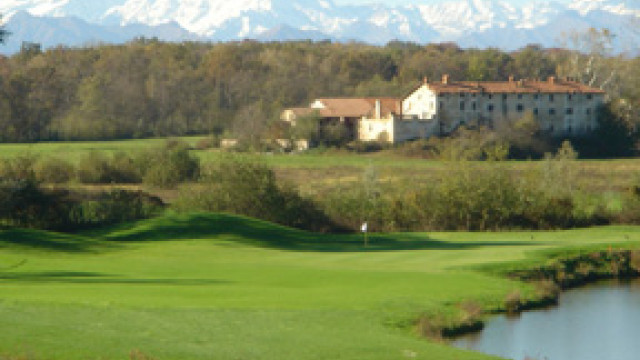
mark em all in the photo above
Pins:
pixel 511 78
pixel 445 78
pixel 378 110
pixel 552 80
pixel 425 80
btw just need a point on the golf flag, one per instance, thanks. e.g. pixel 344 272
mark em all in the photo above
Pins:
pixel 363 228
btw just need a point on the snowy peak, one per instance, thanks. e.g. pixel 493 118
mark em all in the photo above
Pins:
pixel 619 7
pixel 199 16
pixel 507 24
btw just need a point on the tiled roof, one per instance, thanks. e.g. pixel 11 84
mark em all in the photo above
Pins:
pixel 513 86
pixel 357 107
pixel 302 111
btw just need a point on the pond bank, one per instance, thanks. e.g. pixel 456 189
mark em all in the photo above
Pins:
pixel 594 322
pixel 560 272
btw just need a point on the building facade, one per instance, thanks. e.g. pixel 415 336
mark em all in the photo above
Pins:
pixel 562 107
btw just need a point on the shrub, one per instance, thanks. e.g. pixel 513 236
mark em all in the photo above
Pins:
pixel 23 203
pixel 114 207
pixel 471 311
pixel 19 167
pixel 98 168
pixel 168 166
pixel 208 143
pixel 250 188
pixel 630 212
pixel 512 302
pixel 93 168
pixel 431 326
pixel 54 170
pixel 634 260
pixel 547 290
pixel 367 146
pixel 123 169
pixel 420 148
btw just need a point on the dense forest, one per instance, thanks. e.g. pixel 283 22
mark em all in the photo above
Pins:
pixel 149 88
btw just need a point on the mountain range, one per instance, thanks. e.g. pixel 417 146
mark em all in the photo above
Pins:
pixel 508 25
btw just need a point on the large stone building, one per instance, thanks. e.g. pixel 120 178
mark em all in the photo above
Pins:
pixel 562 107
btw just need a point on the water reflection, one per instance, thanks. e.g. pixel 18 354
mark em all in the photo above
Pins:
pixel 598 322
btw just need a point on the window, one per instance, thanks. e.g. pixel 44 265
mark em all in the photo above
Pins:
pixel 588 111
pixel 536 96
pixel 490 107
pixel 551 97
pixel 520 108
pixel 473 95
pixel 461 94
pixel 569 111
pixel 441 105
pixel 473 106
pixel 552 111
pixel 490 96
pixel 589 96
pixel 461 105
pixel 569 97
pixel 504 96
pixel 519 96
pixel 535 111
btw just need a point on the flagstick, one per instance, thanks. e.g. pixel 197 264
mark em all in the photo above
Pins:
pixel 365 228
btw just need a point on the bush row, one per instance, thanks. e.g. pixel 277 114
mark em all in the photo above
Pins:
pixel 24 204
pixel 469 196
pixel 165 167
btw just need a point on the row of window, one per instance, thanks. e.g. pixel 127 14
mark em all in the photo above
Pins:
pixel 519 108
pixel 552 97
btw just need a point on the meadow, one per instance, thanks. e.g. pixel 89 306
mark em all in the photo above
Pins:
pixel 215 286
pixel 315 172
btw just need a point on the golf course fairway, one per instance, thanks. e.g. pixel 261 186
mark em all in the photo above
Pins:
pixel 217 286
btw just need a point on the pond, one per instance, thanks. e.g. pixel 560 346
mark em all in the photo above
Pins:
pixel 596 322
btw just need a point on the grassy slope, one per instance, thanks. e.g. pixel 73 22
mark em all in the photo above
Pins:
pixel 204 286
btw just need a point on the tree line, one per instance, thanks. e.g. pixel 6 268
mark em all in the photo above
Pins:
pixel 149 88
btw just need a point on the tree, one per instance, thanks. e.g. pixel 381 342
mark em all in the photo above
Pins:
pixel 533 63
pixel 3 32
pixel 591 61
pixel 250 124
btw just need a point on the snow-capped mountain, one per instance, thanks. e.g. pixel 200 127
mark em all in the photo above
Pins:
pixel 477 23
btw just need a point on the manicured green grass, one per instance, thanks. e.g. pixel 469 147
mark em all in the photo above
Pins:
pixel 207 286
